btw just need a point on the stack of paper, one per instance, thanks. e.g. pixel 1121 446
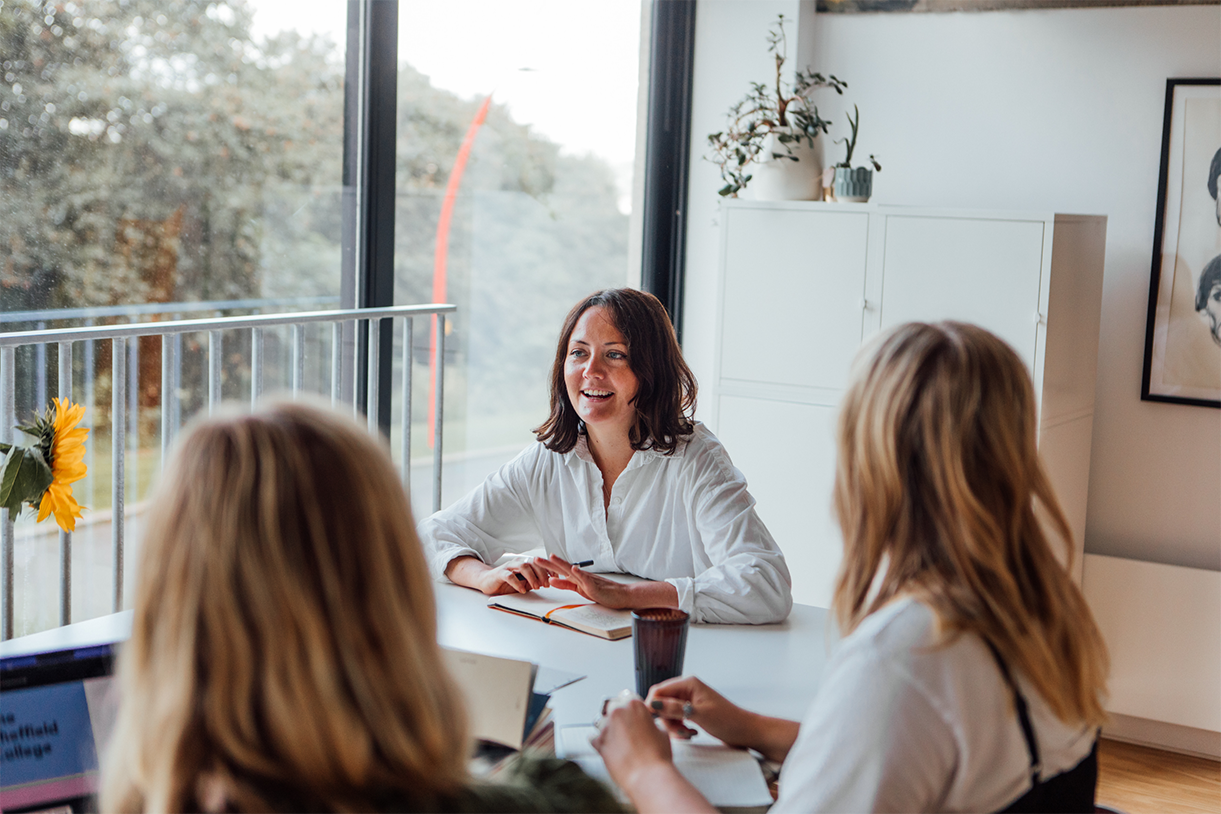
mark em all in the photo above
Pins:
pixel 501 704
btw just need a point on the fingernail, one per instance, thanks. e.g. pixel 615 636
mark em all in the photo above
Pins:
pixel 656 705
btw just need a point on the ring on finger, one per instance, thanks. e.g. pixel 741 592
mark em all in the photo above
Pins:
pixel 688 710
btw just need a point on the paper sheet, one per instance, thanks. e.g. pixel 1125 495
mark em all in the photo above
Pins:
pixel 729 778
pixel 550 679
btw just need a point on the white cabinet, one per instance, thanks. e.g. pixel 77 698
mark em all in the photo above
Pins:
pixel 801 286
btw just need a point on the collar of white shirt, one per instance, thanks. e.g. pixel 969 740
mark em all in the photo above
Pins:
pixel 642 456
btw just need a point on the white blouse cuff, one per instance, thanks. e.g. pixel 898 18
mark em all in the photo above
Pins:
pixel 686 594
pixel 444 557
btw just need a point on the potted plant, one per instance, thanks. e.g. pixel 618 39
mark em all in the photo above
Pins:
pixel 772 131
pixel 848 183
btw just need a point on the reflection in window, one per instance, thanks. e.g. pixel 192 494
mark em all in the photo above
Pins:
pixel 541 215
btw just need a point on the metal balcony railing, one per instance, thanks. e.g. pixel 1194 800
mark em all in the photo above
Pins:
pixel 344 356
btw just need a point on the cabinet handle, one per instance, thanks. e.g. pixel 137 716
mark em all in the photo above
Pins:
pixel 1039 318
pixel 866 305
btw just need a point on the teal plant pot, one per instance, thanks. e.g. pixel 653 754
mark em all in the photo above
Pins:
pixel 855 185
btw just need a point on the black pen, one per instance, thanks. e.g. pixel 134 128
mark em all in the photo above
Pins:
pixel 582 564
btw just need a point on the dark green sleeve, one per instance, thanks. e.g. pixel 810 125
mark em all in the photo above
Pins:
pixel 540 785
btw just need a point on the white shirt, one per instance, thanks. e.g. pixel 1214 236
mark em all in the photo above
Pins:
pixel 685 518
pixel 899 725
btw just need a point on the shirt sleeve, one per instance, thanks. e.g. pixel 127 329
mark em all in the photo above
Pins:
pixel 871 741
pixel 748 581
pixel 495 518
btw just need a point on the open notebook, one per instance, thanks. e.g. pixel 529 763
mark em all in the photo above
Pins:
pixel 567 609
pixel 571 610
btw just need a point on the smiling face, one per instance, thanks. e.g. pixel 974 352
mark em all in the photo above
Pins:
pixel 598 376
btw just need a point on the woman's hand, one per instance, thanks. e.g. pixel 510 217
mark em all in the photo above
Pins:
pixel 628 739
pixel 607 592
pixel 568 577
pixel 637 755
pixel 689 699
pixel 686 698
pixel 513 577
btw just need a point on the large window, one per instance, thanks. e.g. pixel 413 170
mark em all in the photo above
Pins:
pixel 154 157
pixel 540 214
pixel 205 158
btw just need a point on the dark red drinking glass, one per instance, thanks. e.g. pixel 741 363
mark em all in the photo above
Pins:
pixel 660 635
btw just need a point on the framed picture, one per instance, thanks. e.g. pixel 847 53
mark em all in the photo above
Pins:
pixel 1183 331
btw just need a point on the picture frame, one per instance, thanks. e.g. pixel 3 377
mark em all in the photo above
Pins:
pixel 1183 326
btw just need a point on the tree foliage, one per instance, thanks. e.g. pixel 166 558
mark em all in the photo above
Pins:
pixel 117 116
pixel 154 152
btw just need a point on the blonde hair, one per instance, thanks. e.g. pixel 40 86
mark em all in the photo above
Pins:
pixel 283 651
pixel 937 482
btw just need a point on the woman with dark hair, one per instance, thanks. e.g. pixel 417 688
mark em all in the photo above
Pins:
pixel 624 478
pixel 971 676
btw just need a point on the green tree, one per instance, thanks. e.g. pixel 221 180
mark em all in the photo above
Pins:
pixel 115 115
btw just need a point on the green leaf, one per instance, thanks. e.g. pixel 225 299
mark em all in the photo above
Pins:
pixel 34 476
pixel 26 476
pixel 8 477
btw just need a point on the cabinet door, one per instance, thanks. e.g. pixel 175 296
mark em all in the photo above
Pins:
pixel 981 271
pixel 787 453
pixel 793 286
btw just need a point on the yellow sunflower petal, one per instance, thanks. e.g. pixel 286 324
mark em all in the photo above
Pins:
pixel 67 465
pixel 79 434
pixel 58 500
pixel 71 474
pixel 44 508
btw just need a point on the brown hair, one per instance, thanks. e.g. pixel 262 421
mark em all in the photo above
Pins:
pixel 936 487
pixel 283 653
pixel 665 396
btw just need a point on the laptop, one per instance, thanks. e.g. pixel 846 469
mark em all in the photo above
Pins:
pixel 57 711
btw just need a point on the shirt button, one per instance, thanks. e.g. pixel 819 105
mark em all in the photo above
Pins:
pixel 617 501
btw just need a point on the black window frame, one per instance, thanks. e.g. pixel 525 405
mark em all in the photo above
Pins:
pixel 370 124
pixel 371 113
pixel 667 154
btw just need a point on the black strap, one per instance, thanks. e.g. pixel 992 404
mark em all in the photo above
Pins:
pixel 1023 712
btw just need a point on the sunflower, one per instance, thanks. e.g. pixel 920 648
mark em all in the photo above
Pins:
pixel 67 461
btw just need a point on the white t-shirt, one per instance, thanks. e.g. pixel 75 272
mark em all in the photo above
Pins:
pixel 900 724
pixel 685 518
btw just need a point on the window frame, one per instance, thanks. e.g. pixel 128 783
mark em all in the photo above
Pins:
pixel 667 154
pixel 370 131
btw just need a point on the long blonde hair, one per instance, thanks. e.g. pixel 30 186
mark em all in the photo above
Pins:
pixel 283 651
pixel 936 488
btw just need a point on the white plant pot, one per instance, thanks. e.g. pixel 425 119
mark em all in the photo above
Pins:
pixel 782 179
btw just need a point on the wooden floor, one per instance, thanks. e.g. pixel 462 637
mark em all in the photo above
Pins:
pixel 1140 780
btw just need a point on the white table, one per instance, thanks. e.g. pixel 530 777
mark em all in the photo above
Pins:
pixel 773 669
pixel 114 627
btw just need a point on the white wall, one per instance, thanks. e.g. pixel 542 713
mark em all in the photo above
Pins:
pixel 1053 110
pixel 730 51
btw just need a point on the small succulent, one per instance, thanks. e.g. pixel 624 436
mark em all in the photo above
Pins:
pixel 850 143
